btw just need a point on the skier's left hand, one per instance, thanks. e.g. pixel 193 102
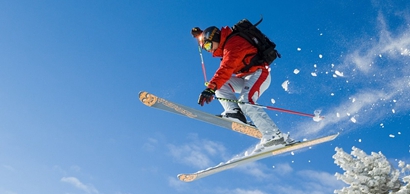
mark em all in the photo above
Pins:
pixel 206 96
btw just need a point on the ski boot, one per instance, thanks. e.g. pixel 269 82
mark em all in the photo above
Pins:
pixel 275 139
pixel 288 140
pixel 235 115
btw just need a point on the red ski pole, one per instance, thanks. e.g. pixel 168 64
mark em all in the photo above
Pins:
pixel 316 116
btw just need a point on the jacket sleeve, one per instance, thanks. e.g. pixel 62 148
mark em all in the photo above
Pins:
pixel 234 52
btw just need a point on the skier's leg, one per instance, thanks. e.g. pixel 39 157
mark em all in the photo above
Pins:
pixel 227 91
pixel 254 86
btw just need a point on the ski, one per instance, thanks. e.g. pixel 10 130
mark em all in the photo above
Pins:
pixel 275 150
pixel 156 102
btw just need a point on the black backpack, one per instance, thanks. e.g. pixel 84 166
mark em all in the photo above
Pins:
pixel 266 48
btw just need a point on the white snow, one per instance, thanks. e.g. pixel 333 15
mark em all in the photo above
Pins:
pixel 338 73
pixel 285 85
pixel 296 71
pixel 353 120
pixel 370 173
pixel 272 101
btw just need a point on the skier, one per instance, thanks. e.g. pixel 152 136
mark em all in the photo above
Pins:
pixel 249 82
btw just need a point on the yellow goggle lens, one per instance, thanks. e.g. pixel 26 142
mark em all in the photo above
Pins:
pixel 207 45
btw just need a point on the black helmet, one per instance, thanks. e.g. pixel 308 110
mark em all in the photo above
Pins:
pixel 211 34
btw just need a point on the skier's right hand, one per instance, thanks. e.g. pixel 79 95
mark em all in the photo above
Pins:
pixel 206 96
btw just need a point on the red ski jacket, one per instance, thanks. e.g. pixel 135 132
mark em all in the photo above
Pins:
pixel 236 53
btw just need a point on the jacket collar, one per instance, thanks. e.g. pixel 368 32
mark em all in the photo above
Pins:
pixel 225 31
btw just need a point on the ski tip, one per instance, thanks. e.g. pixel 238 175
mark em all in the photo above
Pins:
pixel 335 135
pixel 142 93
pixel 187 177
pixel 147 98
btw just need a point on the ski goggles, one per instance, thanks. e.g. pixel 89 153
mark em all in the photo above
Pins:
pixel 207 45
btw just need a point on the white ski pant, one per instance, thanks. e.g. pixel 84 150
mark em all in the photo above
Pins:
pixel 250 88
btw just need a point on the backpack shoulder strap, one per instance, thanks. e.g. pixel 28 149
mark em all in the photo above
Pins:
pixel 242 35
pixel 228 37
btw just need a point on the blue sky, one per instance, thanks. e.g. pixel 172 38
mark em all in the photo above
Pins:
pixel 70 73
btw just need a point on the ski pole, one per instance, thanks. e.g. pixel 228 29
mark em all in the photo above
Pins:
pixel 316 117
pixel 196 33
pixel 202 62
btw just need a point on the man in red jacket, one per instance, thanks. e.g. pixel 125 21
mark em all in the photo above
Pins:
pixel 249 82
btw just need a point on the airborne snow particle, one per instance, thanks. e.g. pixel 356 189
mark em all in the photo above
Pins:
pixel 353 120
pixel 285 85
pixel 296 71
pixel 337 115
pixel 340 74
pixel 299 49
pixel 320 56
pixel 391 135
pixel 292 153
pixel 360 140
pixel 405 52
pixel 393 111
pixel 313 74
pixel 272 100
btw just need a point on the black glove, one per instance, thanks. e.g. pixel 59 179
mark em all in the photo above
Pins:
pixel 206 96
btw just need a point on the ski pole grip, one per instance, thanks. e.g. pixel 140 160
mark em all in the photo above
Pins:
pixel 196 32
